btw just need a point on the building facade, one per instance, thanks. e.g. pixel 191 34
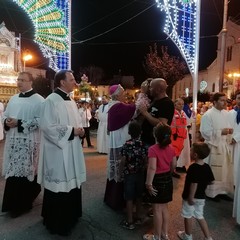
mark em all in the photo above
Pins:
pixel 9 63
pixel 208 80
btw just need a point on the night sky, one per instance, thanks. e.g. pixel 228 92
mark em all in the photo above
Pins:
pixel 125 47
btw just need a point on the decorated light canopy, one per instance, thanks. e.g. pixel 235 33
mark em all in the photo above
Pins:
pixel 180 26
pixel 51 19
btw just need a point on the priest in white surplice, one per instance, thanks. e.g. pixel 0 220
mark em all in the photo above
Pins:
pixel 61 164
pixel 234 116
pixel 216 130
pixel 21 151
pixel 102 133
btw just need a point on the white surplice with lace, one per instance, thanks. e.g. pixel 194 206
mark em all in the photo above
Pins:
pixel 61 162
pixel 220 158
pixel 21 149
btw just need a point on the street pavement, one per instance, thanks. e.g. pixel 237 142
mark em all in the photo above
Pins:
pixel 99 222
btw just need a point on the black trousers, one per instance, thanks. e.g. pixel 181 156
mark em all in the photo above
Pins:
pixel 87 136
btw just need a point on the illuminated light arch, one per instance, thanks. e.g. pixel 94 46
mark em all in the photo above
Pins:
pixel 52 22
pixel 182 25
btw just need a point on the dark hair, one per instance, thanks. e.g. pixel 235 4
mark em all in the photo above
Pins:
pixel 162 133
pixel 134 129
pixel 237 93
pixel 201 149
pixel 217 95
pixel 30 76
pixel 186 100
pixel 104 95
pixel 60 75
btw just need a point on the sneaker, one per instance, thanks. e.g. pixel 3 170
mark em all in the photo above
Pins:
pixel 149 237
pixel 183 236
pixel 127 225
pixel 164 237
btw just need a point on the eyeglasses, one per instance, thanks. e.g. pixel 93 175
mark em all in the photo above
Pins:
pixel 22 80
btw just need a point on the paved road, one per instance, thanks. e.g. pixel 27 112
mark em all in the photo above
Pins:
pixel 101 223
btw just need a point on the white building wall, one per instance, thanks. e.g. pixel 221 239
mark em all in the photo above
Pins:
pixel 211 74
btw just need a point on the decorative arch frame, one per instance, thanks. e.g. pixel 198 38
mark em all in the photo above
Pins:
pixel 52 23
pixel 6 41
pixel 182 25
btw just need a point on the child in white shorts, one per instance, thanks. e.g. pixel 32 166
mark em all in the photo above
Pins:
pixel 199 175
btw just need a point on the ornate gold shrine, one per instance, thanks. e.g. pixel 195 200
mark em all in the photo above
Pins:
pixel 10 63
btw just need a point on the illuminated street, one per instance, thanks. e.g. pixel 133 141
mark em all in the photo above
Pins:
pixel 100 222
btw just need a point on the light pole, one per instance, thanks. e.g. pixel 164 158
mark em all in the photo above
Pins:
pixel 223 46
pixel 26 57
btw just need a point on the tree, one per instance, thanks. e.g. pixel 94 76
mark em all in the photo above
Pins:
pixel 42 86
pixel 162 65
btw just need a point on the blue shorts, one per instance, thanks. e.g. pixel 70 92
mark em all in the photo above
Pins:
pixel 133 186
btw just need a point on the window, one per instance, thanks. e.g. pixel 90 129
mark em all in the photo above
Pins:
pixel 213 87
pixel 229 54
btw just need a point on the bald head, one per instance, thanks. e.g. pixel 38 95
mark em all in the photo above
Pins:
pixel 158 87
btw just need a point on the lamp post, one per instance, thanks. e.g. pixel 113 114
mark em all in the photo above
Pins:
pixel 26 57
pixel 223 46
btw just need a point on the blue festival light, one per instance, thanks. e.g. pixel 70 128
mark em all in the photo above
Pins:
pixel 51 19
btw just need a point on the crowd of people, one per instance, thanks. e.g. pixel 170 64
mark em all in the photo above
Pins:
pixel 147 142
pixel 166 134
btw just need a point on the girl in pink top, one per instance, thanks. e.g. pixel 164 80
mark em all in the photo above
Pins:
pixel 161 162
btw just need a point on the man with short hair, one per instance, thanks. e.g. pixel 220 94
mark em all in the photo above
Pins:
pixel 61 165
pixel 102 133
pixel 85 115
pixel 179 132
pixel 21 151
pixel 216 130
pixel 160 110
